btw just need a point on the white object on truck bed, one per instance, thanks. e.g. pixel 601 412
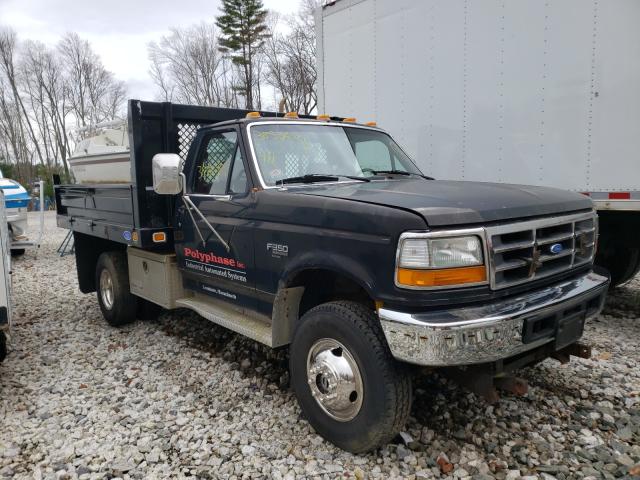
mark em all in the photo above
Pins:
pixel 103 156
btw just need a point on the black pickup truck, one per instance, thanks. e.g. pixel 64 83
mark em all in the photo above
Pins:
pixel 322 235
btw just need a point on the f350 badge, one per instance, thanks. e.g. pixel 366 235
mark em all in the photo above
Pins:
pixel 278 250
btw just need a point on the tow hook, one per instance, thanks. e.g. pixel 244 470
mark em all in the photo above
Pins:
pixel 486 384
pixel 578 349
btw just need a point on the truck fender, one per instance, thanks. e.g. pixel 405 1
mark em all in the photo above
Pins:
pixel 339 264
pixel 287 302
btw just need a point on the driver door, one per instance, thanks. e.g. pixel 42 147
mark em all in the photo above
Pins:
pixel 216 254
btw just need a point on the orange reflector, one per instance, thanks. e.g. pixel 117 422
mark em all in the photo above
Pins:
pixel 445 276
pixel 349 120
pixel 371 124
pixel 379 304
pixel 253 115
pixel 291 115
pixel 323 117
pixel 159 237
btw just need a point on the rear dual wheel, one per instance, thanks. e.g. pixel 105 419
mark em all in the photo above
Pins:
pixel 350 388
pixel 118 305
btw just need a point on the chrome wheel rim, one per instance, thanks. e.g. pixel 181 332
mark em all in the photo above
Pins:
pixel 106 289
pixel 334 379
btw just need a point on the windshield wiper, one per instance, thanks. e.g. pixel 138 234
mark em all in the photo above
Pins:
pixel 319 177
pixel 399 172
pixel 353 177
pixel 308 178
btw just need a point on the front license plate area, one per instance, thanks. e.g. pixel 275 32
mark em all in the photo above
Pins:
pixel 569 330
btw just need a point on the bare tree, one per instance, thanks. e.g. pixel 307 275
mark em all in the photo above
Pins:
pixel 16 145
pixel 95 96
pixel 291 61
pixel 8 43
pixel 47 92
pixel 186 66
pixel 43 92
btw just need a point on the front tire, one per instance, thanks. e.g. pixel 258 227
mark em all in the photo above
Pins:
pixel 350 388
pixel 17 252
pixel 117 303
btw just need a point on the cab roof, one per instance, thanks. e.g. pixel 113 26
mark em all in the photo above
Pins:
pixel 303 119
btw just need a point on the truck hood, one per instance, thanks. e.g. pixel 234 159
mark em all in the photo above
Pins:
pixel 444 203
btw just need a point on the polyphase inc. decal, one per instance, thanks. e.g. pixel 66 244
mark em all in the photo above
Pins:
pixel 211 264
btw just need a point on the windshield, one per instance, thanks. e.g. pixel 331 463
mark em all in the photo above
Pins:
pixel 293 150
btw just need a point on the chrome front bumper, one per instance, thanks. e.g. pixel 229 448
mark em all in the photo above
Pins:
pixel 499 330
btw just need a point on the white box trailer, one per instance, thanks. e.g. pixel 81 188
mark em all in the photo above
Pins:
pixel 517 91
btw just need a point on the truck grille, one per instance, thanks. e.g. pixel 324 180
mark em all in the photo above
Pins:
pixel 526 251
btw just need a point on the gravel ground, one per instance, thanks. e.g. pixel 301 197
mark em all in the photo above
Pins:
pixel 181 397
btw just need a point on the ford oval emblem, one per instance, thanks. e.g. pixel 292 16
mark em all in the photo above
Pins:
pixel 556 248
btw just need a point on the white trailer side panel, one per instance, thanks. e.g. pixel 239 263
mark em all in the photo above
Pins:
pixel 518 91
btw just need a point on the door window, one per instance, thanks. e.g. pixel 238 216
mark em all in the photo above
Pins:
pixel 219 156
pixel 375 151
pixel 238 180
pixel 373 154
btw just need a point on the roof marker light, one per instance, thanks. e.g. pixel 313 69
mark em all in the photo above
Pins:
pixel 291 115
pixel 371 124
pixel 253 115
pixel 349 120
pixel 323 117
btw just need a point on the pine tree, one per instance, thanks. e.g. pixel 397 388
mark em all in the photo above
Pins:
pixel 244 30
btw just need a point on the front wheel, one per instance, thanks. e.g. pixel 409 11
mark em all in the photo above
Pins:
pixel 117 303
pixel 349 387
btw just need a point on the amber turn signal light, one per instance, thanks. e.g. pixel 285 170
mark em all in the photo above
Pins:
pixel 441 277
pixel 159 237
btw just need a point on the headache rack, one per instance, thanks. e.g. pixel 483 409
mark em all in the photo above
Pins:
pixel 525 251
pixel 131 213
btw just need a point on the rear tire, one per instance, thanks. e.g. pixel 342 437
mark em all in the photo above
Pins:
pixel 117 303
pixel 3 346
pixel 17 252
pixel 366 405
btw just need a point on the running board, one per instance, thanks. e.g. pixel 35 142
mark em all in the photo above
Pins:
pixel 230 318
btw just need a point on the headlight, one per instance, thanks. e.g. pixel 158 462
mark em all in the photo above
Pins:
pixel 426 261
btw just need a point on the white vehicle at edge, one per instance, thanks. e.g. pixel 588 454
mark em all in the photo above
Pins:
pixel 5 280
pixel 519 92
pixel 16 204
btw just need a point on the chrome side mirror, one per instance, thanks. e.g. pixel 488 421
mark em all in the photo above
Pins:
pixel 166 168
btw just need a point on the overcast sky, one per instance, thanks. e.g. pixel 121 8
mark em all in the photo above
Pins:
pixel 119 30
